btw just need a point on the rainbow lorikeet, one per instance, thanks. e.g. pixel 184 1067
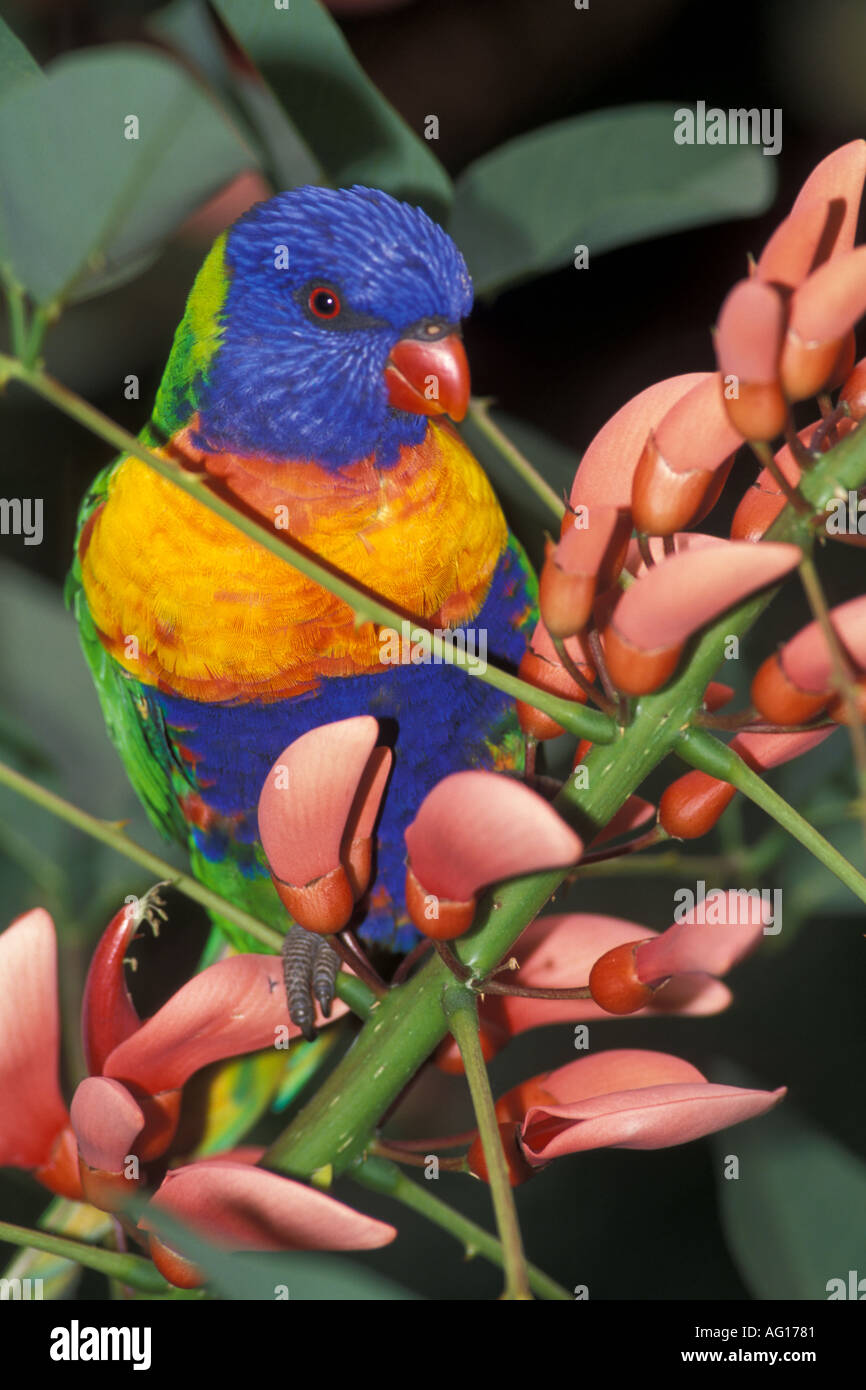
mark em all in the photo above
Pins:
pixel 302 385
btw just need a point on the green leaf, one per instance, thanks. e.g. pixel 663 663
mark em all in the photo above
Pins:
pixel 191 28
pixel 353 132
pixel 308 1276
pixel 601 180
pixel 16 63
pixel 794 1218
pixel 80 200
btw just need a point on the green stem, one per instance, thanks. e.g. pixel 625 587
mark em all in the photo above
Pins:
pixel 576 718
pixel 461 1011
pixel 129 1269
pixel 841 672
pixel 479 415
pixel 385 1177
pixel 700 750
pixel 350 989
pixel 17 315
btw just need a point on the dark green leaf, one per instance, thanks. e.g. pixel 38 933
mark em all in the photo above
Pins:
pixel 601 180
pixel 353 132
pixel 78 199
pixel 15 60
pixel 794 1218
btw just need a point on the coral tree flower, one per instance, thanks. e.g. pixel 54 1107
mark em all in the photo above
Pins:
pixel 589 555
pixel 558 952
pixel 317 810
pixel 125 1118
pixel 239 1207
pixel 624 1099
pixel 685 461
pixel 606 472
pixel 541 666
pixel 474 829
pixel 749 340
pixel 654 618
pixel 796 683
pixel 692 805
pixel 709 939
pixel 34 1124
pixel 811 254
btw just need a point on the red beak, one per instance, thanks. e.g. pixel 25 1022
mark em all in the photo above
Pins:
pixel 429 378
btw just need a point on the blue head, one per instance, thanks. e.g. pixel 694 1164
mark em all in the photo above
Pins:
pixel 328 290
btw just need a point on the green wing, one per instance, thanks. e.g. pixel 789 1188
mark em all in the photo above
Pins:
pixel 133 722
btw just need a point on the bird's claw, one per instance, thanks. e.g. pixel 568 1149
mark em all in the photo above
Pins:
pixel 310 966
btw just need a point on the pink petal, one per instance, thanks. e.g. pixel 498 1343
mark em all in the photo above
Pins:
pixel 606 470
pixel 107 1122
pixel 831 301
pixel 837 184
pixel 476 828
pixel 763 751
pixel 308 796
pixel 237 1005
pixel 541 643
pixel 734 928
pixel 672 600
pixel 792 251
pixel 368 798
pixel 749 333
pixel 806 658
pixel 696 434
pixel 108 1014
pixel 240 1207
pixel 583 549
pixel 621 1069
pixel 32 1113
pixel 558 952
pixel 653 1117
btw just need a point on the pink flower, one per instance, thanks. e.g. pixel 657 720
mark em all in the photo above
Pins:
pixel 317 810
pixel 632 1099
pixel 125 1118
pixel 474 829
pixel 624 1099
pixel 654 618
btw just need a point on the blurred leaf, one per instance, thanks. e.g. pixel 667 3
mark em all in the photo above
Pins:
pixel 58 1276
pixel 795 1216
pixel 15 60
pixel 192 29
pixel 353 132
pixel 308 1276
pixel 78 199
pixel 38 641
pixel 603 180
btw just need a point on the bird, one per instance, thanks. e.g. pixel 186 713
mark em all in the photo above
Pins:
pixel 315 382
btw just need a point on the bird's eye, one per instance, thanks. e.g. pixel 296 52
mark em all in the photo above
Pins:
pixel 324 302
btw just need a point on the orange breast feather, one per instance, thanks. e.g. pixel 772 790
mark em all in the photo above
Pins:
pixel 184 601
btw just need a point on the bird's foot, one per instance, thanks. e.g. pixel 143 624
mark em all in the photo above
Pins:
pixel 310 966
